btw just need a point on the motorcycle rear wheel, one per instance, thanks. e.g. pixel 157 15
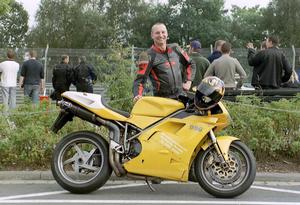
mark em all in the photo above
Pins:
pixel 230 181
pixel 80 162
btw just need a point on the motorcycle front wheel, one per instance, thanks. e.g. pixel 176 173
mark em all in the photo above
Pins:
pixel 80 162
pixel 230 180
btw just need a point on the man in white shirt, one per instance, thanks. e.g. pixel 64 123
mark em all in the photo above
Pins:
pixel 9 71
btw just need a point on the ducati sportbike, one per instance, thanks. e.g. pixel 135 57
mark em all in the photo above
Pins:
pixel 161 139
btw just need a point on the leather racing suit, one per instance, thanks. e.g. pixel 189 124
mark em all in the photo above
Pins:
pixel 167 71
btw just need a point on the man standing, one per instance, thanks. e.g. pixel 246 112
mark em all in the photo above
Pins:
pixel 271 67
pixel 84 76
pixel 9 71
pixel 163 67
pixel 201 62
pixel 62 78
pixel 252 51
pixel 217 52
pixel 32 78
pixel 225 68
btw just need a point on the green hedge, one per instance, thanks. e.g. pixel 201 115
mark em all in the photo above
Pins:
pixel 30 143
pixel 270 129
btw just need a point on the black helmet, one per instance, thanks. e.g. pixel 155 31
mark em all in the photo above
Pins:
pixel 209 93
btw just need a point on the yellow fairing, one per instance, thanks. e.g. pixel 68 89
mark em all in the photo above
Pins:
pixel 168 148
pixel 93 102
pixel 223 118
pixel 224 144
pixel 148 110
pixel 142 121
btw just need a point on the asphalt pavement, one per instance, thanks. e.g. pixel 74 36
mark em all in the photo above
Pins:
pixel 38 187
pixel 47 175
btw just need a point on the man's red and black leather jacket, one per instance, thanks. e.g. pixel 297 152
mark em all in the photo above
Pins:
pixel 167 71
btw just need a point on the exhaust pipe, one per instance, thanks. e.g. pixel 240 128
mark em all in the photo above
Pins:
pixel 77 111
pixel 114 132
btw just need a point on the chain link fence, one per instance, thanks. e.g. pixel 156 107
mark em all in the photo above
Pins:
pixel 52 56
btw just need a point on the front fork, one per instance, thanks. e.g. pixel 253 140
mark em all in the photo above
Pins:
pixel 223 157
pixel 221 145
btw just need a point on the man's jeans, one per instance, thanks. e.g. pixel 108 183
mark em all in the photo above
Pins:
pixel 32 92
pixel 9 97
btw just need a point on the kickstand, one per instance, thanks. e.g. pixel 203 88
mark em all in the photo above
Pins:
pixel 150 185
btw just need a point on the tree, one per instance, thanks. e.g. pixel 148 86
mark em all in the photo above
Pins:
pixel 13 26
pixel 246 26
pixel 202 19
pixel 4 6
pixel 282 18
pixel 130 20
pixel 141 24
pixel 56 21
pixel 92 23
pixel 70 24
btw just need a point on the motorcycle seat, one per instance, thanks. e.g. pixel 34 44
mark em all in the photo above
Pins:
pixel 123 113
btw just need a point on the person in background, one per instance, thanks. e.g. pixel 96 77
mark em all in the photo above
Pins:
pixel 226 67
pixel 84 76
pixel 9 72
pixel 217 51
pixel 271 67
pixel 62 78
pixel 263 45
pixel 201 63
pixel 255 76
pixel 32 78
pixel 293 82
pixel 164 68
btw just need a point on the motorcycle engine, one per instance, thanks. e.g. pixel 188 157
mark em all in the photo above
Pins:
pixel 135 148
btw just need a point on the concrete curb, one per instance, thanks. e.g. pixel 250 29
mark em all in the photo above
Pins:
pixel 47 175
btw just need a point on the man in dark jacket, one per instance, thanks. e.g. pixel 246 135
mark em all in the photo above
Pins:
pixel 270 66
pixel 84 76
pixel 62 78
pixel 201 63
pixel 217 51
pixel 32 78
pixel 164 67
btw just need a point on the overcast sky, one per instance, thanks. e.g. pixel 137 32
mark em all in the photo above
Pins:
pixel 31 6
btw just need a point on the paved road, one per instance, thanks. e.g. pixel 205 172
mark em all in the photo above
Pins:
pixel 137 192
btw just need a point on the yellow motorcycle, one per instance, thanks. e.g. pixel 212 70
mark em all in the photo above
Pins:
pixel 161 139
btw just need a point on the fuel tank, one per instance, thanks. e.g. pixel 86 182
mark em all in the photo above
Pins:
pixel 148 110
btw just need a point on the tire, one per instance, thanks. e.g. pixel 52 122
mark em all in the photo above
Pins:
pixel 80 162
pixel 226 182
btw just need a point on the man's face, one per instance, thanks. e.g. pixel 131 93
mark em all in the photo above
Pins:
pixel 26 56
pixel 66 60
pixel 269 43
pixel 159 34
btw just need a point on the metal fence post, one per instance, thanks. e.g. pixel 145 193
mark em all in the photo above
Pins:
pixel 45 63
pixel 132 61
pixel 294 57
